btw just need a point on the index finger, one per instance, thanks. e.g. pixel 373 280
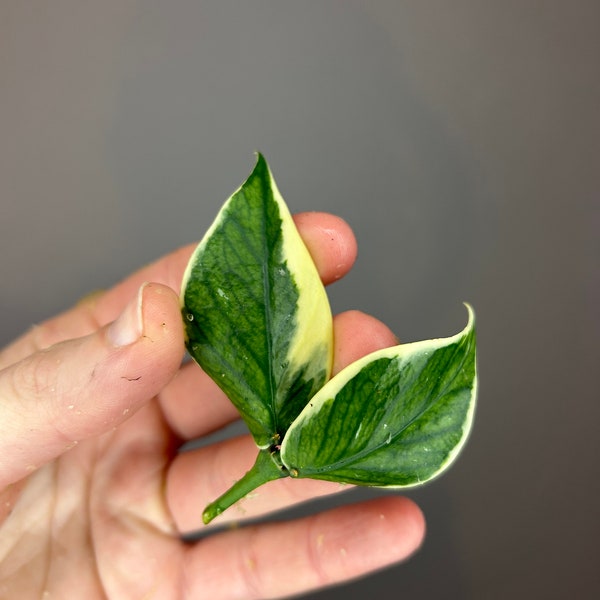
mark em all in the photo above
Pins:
pixel 328 238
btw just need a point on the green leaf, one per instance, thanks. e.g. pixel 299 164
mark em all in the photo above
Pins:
pixel 256 314
pixel 397 417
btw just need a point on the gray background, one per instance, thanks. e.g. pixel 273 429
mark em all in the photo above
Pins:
pixel 460 140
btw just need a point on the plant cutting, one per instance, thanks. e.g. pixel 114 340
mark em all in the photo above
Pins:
pixel 257 320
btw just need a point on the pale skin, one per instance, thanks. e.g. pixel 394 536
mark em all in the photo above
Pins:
pixel 94 495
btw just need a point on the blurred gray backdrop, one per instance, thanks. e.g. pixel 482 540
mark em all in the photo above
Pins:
pixel 460 139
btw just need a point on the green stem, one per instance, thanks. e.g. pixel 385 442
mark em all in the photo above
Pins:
pixel 265 469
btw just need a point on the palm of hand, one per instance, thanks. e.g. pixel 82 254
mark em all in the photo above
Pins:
pixel 95 523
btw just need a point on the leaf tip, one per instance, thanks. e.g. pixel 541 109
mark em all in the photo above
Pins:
pixel 469 328
pixel 471 312
pixel 261 161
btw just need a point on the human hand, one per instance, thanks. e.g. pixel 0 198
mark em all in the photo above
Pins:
pixel 94 495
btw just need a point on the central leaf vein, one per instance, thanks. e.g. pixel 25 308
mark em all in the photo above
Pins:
pixel 267 285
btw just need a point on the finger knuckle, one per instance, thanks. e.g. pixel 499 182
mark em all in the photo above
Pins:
pixel 35 377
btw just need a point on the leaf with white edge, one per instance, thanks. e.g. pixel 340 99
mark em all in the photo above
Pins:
pixel 257 316
pixel 395 418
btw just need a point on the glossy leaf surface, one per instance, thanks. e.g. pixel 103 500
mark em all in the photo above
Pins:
pixel 397 417
pixel 256 314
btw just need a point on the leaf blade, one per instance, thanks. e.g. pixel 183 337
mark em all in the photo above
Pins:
pixel 256 313
pixel 396 418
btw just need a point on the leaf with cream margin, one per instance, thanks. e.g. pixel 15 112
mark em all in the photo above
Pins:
pixel 395 418
pixel 256 314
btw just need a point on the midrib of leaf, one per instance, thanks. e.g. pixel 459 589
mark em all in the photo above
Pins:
pixel 267 286
pixel 357 457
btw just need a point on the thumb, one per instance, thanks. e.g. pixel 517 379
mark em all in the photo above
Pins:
pixel 83 387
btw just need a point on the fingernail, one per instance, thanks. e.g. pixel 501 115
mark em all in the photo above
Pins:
pixel 128 327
